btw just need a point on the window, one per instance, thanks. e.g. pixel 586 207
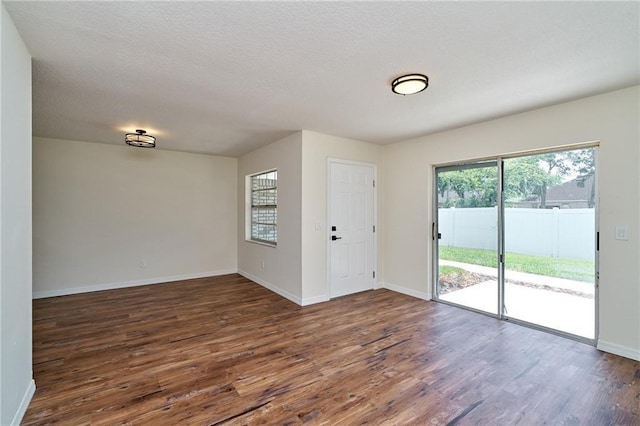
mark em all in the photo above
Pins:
pixel 264 207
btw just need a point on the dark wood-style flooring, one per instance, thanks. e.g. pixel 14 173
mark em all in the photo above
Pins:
pixel 224 350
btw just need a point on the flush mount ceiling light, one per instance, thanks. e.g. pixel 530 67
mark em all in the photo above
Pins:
pixel 410 84
pixel 140 139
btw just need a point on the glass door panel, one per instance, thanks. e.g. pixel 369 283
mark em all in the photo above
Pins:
pixel 466 235
pixel 549 240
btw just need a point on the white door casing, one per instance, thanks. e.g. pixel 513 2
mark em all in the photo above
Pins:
pixel 351 212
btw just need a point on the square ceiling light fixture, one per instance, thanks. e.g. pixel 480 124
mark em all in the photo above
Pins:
pixel 410 84
pixel 140 139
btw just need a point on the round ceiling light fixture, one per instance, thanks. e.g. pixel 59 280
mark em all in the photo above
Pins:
pixel 140 139
pixel 410 84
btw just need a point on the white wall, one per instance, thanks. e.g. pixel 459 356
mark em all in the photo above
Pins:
pixel 16 383
pixel 297 267
pixel 282 264
pixel 611 118
pixel 100 210
pixel 316 149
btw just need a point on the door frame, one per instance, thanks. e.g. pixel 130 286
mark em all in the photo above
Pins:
pixel 461 165
pixel 374 166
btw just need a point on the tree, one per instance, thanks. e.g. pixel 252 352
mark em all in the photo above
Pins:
pixel 556 165
pixel 524 177
pixel 476 187
pixel 584 162
pixel 533 175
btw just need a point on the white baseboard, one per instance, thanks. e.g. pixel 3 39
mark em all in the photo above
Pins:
pixel 407 291
pixel 616 349
pixel 24 403
pixel 136 283
pixel 273 288
pixel 314 300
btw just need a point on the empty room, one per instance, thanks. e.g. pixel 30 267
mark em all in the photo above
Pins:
pixel 389 213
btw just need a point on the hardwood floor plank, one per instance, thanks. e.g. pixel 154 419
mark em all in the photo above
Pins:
pixel 223 350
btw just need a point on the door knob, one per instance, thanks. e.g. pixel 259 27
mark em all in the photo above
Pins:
pixel 333 238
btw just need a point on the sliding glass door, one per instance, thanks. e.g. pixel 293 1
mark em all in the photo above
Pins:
pixel 516 238
pixel 549 229
pixel 467 239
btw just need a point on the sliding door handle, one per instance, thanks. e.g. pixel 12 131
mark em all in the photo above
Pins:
pixel 433 232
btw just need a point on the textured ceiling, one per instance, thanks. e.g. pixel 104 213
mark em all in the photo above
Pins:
pixel 227 77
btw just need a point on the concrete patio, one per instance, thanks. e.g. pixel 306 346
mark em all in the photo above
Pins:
pixel 554 309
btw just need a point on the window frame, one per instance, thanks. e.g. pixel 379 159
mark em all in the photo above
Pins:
pixel 250 235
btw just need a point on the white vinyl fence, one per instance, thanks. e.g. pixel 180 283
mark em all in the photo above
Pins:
pixel 566 233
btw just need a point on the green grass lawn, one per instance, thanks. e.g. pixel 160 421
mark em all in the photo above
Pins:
pixel 572 269
pixel 446 270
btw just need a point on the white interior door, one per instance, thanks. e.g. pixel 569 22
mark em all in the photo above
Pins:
pixel 351 226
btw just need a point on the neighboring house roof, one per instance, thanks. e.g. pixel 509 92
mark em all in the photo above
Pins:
pixel 578 189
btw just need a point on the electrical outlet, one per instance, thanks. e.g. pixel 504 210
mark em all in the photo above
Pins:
pixel 262 264
pixel 143 263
